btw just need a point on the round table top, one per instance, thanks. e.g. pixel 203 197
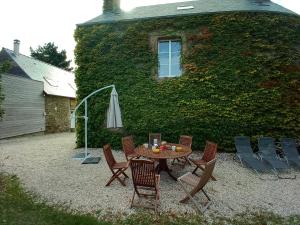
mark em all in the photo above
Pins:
pixel 164 154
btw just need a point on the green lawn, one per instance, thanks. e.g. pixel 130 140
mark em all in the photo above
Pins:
pixel 18 208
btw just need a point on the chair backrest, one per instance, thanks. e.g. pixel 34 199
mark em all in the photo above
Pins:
pixel 143 173
pixel 186 140
pixel 243 145
pixel 128 145
pixel 210 151
pixel 206 175
pixel 289 147
pixel 266 146
pixel 110 159
pixel 153 136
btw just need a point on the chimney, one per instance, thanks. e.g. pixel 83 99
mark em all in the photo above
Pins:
pixel 111 6
pixel 16 47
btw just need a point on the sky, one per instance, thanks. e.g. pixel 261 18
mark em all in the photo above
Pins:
pixel 36 22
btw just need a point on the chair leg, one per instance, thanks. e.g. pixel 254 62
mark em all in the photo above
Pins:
pixel 206 195
pixel 194 171
pixel 189 197
pixel 208 203
pixel 132 199
pixel 172 163
pixel 155 204
pixel 187 161
pixel 116 175
pixel 125 175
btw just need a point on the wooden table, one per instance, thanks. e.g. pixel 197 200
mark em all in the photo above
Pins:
pixel 163 155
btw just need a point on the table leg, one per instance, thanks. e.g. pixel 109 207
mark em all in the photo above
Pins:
pixel 163 166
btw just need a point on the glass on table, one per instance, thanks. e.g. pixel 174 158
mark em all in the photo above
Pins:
pixel 155 142
pixel 146 145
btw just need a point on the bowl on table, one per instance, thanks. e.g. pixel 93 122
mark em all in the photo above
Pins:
pixel 156 150
pixel 179 149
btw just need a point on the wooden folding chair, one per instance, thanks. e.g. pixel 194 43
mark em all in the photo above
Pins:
pixel 128 148
pixel 145 181
pixel 153 136
pixel 209 154
pixel 117 168
pixel 187 141
pixel 197 183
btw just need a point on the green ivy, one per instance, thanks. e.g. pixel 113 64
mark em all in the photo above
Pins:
pixel 241 77
pixel 4 67
pixel 1 99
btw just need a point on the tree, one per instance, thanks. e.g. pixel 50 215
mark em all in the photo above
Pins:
pixel 49 53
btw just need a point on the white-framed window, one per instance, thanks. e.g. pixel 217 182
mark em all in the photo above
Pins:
pixel 169 54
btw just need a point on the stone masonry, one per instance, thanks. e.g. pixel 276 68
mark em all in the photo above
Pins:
pixel 57 114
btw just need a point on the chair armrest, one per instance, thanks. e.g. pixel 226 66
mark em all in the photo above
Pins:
pixel 198 162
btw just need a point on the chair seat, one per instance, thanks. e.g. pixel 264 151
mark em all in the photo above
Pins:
pixel 120 165
pixel 198 161
pixel 132 155
pixel 190 179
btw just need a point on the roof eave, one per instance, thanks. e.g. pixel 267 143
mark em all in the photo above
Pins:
pixel 63 96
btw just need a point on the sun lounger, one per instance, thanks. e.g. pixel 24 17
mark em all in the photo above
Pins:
pixel 290 151
pixel 247 157
pixel 267 152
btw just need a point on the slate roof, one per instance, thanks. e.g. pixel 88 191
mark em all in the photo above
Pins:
pixel 199 7
pixel 56 81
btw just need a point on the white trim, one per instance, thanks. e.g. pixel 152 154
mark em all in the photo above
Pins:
pixel 170 57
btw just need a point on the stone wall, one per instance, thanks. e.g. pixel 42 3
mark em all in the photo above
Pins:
pixel 57 114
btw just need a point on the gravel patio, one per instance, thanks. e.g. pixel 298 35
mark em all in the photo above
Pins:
pixel 45 166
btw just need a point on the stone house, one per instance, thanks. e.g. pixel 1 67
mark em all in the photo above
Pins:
pixel 50 106
pixel 208 68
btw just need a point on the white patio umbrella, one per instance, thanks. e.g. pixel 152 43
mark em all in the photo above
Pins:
pixel 113 121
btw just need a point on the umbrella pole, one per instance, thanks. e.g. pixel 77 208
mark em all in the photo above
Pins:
pixel 85 128
pixel 86 159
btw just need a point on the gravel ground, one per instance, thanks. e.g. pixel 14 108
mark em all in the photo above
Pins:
pixel 45 167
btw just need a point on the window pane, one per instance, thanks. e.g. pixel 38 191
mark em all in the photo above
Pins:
pixel 169 67
pixel 175 46
pixel 175 58
pixel 163 58
pixel 175 70
pixel 163 71
pixel 163 46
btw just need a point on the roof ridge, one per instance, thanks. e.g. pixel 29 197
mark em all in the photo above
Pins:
pixel 19 77
pixel 39 61
pixel 170 10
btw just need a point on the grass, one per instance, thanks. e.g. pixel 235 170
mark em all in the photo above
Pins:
pixel 19 208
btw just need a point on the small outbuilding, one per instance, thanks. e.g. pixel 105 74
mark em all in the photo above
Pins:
pixel 38 96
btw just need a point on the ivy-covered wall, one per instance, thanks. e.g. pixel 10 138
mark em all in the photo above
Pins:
pixel 4 67
pixel 1 98
pixel 241 77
